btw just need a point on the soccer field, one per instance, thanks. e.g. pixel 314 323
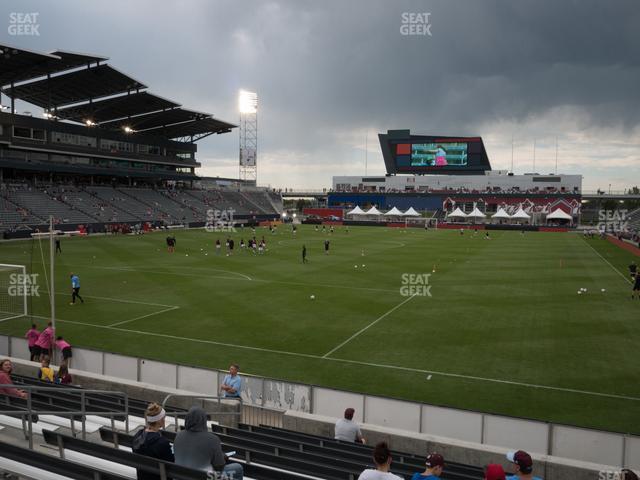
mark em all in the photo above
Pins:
pixel 503 331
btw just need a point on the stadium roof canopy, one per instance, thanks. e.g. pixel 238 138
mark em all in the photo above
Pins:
pixel 18 65
pixel 116 108
pixel 77 86
pixel 98 92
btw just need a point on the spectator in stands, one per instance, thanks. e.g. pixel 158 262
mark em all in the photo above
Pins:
pixel 435 465
pixel 65 348
pixel 382 460
pixel 348 430
pixel 32 337
pixel 5 379
pixel 494 472
pixel 522 466
pixel 232 383
pixel 63 377
pixel 196 448
pixel 45 342
pixel 150 442
pixel 45 372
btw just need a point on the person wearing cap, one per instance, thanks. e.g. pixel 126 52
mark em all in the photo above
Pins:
pixel 347 430
pixel 435 465
pixel 494 472
pixel 522 466
pixel 150 442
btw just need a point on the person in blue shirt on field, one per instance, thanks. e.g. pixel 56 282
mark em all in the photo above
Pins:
pixel 75 289
pixel 435 466
pixel 232 383
pixel 522 466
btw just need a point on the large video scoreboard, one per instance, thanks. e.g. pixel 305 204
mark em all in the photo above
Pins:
pixel 406 153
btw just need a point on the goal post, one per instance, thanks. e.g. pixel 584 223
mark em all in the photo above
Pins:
pixel 15 286
pixel 421 222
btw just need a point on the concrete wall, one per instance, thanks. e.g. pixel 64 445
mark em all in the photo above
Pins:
pixel 463 426
pixel 548 467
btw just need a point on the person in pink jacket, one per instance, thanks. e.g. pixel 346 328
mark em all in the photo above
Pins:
pixel 45 341
pixel 32 337
pixel 65 348
pixel 5 379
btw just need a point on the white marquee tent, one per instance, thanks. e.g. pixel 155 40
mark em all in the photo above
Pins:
pixel 457 213
pixel 394 212
pixel 411 213
pixel 559 214
pixel 501 214
pixel 356 211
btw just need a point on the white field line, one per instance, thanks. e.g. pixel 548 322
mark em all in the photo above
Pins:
pixel 11 318
pixel 121 300
pixel 135 269
pixel 608 262
pixel 364 329
pixel 144 316
pixel 300 284
pixel 355 362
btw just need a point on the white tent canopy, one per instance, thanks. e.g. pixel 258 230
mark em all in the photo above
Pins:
pixel 373 211
pixel 559 214
pixel 457 213
pixel 411 213
pixel 394 212
pixel 521 215
pixel 356 211
pixel 476 213
pixel 501 214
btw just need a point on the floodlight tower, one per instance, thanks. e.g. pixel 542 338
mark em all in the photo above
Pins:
pixel 248 106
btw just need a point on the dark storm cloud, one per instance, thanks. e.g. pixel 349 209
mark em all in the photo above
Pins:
pixel 325 67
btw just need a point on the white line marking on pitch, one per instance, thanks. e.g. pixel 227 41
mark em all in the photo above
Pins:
pixel 362 330
pixel 348 287
pixel 608 262
pixel 122 300
pixel 355 362
pixel 143 316
pixel 123 269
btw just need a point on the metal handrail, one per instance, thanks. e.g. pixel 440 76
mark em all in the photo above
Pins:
pixel 201 397
pixel 27 425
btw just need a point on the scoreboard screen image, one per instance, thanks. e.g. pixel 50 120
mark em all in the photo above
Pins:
pixel 433 154
pixel 438 154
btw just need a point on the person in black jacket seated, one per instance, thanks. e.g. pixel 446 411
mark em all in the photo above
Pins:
pixel 150 442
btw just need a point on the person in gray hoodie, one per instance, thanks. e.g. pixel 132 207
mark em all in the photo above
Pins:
pixel 195 447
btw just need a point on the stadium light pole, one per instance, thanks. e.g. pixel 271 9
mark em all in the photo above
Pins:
pixel 248 108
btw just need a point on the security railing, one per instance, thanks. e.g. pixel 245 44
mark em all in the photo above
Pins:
pixel 29 414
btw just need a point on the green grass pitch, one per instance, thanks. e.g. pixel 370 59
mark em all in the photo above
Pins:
pixel 503 331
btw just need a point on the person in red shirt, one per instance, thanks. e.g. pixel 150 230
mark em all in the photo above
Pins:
pixel 5 379
pixel 32 337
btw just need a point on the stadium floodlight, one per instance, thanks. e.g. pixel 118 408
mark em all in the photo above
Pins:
pixel 247 102
pixel 295 215
pixel 127 129
pixel 284 214
pixel 89 123
pixel 48 115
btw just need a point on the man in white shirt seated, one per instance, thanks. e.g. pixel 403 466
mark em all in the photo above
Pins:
pixel 348 430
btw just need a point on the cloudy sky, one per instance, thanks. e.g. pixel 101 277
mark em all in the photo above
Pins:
pixel 331 74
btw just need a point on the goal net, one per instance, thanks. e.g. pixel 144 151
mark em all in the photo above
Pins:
pixel 421 222
pixel 15 286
